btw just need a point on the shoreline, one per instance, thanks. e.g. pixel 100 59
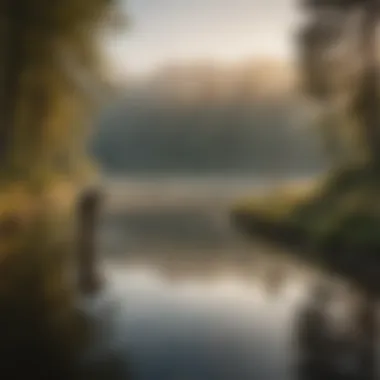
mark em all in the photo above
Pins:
pixel 334 223
pixel 353 265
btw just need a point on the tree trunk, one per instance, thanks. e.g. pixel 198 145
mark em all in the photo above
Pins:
pixel 13 62
pixel 36 141
pixel 370 96
pixel 331 133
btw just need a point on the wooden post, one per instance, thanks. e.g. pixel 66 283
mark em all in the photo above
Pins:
pixel 89 210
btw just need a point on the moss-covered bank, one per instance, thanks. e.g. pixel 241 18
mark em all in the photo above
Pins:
pixel 336 221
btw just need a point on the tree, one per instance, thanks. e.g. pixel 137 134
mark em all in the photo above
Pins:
pixel 42 99
pixel 328 72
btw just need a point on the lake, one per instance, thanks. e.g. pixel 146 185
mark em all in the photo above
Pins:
pixel 187 297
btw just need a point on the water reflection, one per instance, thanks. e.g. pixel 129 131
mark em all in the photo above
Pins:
pixel 173 320
pixel 219 330
pixel 187 298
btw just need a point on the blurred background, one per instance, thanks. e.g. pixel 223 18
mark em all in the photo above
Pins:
pixel 189 189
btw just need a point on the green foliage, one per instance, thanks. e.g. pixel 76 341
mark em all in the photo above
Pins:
pixel 342 214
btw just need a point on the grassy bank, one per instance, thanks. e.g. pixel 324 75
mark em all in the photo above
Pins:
pixel 337 220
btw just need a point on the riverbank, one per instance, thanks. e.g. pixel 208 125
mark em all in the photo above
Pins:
pixel 335 222
pixel 39 324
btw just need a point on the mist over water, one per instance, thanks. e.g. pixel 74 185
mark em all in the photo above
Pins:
pixel 204 119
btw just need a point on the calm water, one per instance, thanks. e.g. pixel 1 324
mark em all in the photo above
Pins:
pixel 188 297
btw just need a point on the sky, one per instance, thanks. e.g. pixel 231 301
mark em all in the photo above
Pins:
pixel 163 31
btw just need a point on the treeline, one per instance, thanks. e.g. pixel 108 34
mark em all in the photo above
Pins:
pixel 203 118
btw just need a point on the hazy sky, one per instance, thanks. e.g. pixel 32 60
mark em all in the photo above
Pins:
pixel 221 30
